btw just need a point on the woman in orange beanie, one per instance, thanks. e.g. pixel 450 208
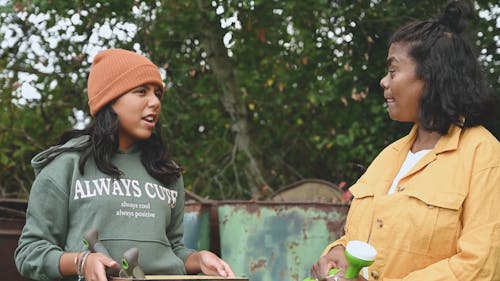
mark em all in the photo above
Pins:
pixel 116 177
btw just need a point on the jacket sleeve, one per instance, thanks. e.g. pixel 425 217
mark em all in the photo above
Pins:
pixel 175 230
pixel 39 247
pixel 478 247
pixel 341 241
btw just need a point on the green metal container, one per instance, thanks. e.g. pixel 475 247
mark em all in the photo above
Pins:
pixel 197 225
pixel 270 241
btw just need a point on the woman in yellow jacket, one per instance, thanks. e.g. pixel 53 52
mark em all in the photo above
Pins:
pixel 429 202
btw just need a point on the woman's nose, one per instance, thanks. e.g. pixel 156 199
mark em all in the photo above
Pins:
pixel 153 101
pixel 384 82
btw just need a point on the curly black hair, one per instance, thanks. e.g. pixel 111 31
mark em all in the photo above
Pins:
pixel 103 143
pixel 455 91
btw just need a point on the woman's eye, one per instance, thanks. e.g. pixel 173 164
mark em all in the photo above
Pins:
pixel 391 72
pixel 158 93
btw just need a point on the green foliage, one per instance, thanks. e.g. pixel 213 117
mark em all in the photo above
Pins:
pixel 307 75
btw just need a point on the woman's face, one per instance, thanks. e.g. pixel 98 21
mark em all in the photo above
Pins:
pixel 138 111
pixel 402 88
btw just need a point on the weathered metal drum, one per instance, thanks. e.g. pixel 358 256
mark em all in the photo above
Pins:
pixel 197 226
pixel 270 241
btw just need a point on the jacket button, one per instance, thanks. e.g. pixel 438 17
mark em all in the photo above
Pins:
pixel 401 188
pixel 375 275
pixel 379 223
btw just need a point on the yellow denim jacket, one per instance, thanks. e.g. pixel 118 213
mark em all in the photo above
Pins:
pixel 443 221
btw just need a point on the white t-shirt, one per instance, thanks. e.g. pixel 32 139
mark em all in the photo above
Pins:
pixel 411 160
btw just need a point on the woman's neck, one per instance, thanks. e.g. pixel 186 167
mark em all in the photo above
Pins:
pixel 425 140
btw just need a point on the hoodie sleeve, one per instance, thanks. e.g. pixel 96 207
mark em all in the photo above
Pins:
pixel 175 230
pixel 39 247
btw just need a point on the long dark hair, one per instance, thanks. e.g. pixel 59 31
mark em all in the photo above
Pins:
pixel 455 89
pixel 103 143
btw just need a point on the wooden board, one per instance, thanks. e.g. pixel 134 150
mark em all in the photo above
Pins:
pixel 182 278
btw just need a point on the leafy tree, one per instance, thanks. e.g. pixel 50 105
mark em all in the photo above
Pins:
pixel 259 93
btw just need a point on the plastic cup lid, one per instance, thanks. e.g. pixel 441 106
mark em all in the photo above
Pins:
pixel 361 250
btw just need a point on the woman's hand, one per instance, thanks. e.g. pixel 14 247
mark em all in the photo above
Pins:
pixel 334 259
pixel 208 263
pixel 95 267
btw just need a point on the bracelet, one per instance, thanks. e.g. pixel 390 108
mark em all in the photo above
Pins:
pixel 76 260
pixel 79 263
pixel 87 254
pixel 80 269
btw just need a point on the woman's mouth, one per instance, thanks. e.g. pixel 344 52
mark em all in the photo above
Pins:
pixel 150 120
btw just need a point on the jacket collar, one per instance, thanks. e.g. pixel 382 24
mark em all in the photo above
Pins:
pixel 401 147
pixel 449 141
pixel 445 143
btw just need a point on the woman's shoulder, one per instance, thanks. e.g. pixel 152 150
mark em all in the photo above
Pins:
pixel 58 157
pixel 177 183
pixel 479 141
pixel 480 134
pixel 478 137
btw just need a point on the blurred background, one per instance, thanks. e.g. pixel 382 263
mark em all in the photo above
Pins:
pixel 259 94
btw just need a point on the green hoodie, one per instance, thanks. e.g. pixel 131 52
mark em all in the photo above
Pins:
pixel 135 210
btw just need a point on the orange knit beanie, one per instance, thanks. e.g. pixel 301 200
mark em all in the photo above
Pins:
pixel 115 72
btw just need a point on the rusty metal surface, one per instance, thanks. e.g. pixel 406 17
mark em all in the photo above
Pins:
pixel 316 190
pixel 269 241
pixel 197 226
pixel 12 218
